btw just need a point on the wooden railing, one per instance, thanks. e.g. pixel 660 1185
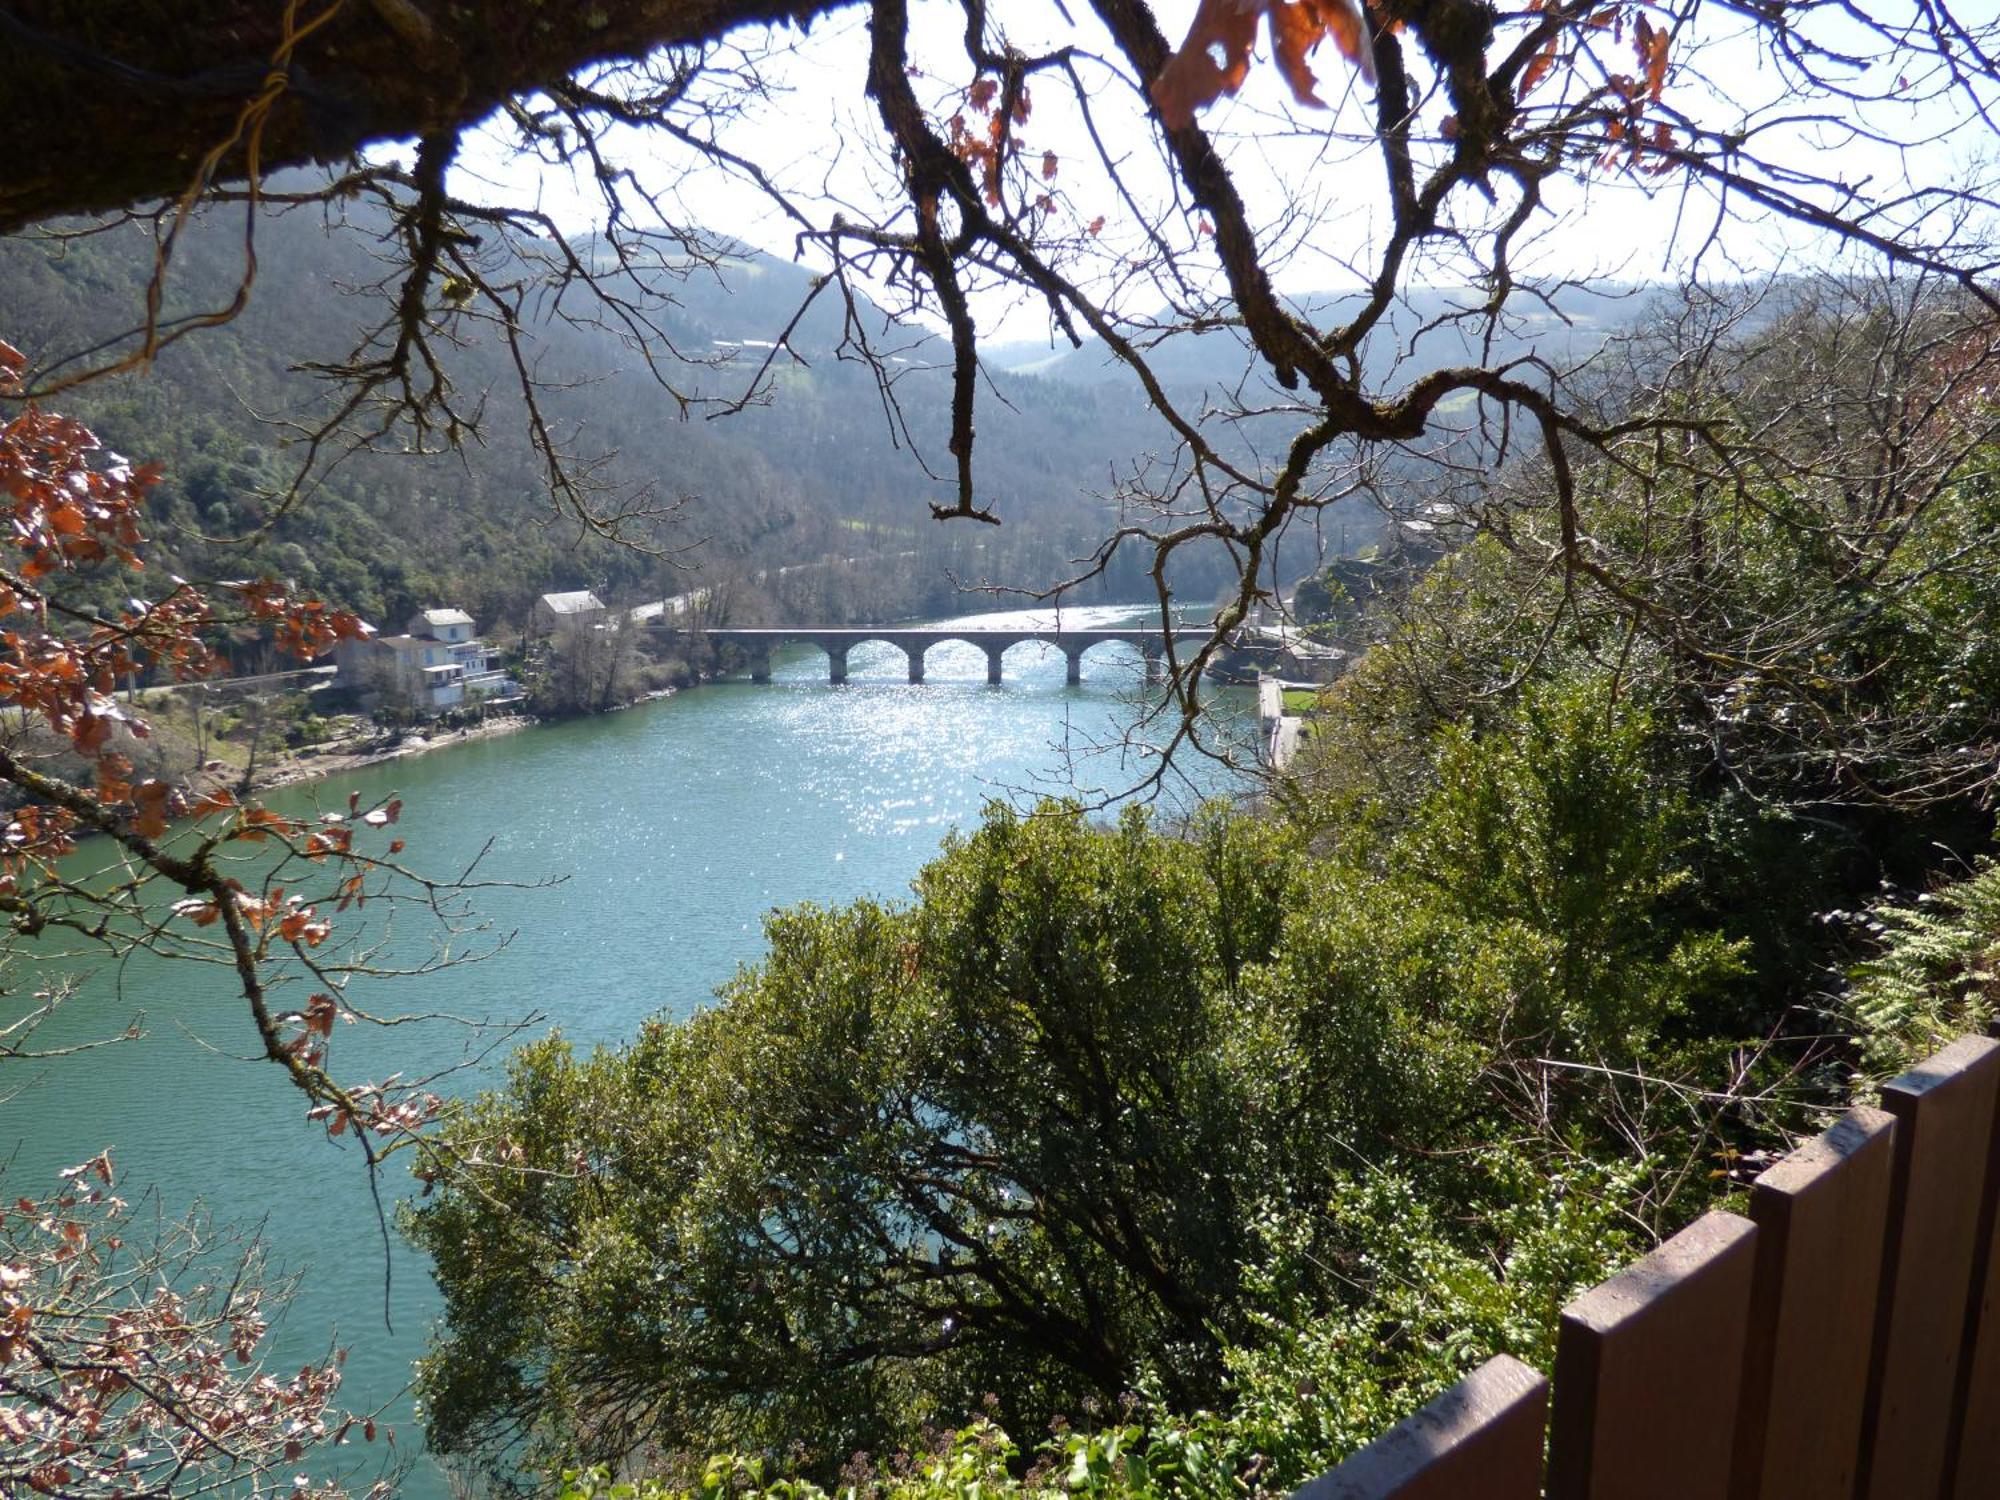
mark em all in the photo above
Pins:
pixel 1842 1342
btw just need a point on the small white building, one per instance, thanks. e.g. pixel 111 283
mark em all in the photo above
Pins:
pixel 574 611
pixel 437 664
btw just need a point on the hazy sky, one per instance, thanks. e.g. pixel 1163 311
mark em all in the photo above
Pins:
pixel 1312 177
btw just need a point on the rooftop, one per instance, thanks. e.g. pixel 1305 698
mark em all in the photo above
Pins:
pixel 583 601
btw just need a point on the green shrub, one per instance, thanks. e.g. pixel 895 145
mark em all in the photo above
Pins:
pixel 1934 975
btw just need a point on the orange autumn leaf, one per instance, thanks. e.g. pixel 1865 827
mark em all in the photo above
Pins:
pixel 1214 59
pixel 329 841
pixel 1295 31
pixel 91 732
pixel 262 817
pixel 1537 69
pixel 303 925
pixel 211 802
pixel 202 913
pixel 151 801
pixel 350 892
pixel 1650 43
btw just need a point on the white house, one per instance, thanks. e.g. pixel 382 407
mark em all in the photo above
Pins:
pixel 448 625
pixel 573 611
pixel 437 664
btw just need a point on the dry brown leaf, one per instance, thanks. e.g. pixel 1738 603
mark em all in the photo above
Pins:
pixel 1348 27
pixel 1537 69
pixel 1215 57
pixel 1194 76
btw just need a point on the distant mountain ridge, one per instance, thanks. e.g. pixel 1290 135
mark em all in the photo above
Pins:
pixel 1415 338
pixel 801 474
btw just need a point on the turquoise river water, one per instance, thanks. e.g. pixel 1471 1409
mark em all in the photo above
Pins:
pixel 671 828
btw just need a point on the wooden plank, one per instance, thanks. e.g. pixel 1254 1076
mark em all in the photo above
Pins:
pixel 1648 1368
pixel 1975 1469
pixel 1944 1111
pixel 1483 1437
pixel 1819 1215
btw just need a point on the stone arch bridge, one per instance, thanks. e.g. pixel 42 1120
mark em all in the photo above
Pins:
pixel 757 645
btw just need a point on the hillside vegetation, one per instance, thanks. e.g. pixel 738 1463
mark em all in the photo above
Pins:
pixel 816 466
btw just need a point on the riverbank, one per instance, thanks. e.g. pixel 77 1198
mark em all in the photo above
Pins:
pixel 368 749
pixel 313 763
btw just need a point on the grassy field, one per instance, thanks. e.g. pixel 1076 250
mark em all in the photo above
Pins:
pixel 1300 701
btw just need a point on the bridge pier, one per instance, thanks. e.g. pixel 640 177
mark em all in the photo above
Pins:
pixel 1073 675
pixel 836 664
pixel 760 665
pixel 1156 662
pixel 915 652
pixel 994 656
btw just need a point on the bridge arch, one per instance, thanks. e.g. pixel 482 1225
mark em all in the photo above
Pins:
pixel 995 644
pixel 763 644
pixel 1076 651
pixel 916 644
pixel 836 649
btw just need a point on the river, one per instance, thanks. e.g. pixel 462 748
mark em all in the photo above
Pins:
pixel 671 828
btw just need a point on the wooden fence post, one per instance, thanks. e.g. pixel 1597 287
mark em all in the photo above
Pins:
pixel 1483 1437
pixel 1944 1110
pixel 1975 1465
pixel 1841 1344
pixel 1819 1215
pixel 1648 1369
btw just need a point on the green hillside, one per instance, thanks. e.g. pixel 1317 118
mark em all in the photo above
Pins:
pixel 814 468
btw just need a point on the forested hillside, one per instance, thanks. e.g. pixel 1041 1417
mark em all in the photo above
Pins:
pixel 766 440
pixel 817 464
